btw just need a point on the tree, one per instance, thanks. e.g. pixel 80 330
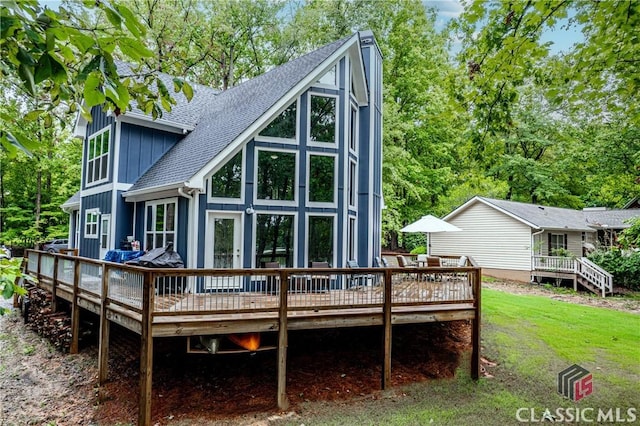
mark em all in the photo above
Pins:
pixel 53 57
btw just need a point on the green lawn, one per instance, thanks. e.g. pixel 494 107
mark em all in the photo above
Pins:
pixel 531 338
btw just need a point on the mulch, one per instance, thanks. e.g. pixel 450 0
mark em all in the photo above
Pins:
pixel 323 365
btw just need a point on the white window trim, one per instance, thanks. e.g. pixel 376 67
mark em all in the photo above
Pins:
pixel 87 212
pixel 336 66
pixel 263 202
pixel 108 154
pixel 324 144
pixel 254 232
pixel 211 199
pixel 354 107
pixel 335 236
pixel 153 218
pixel 260 138
pixel 334 203
pixel 355 236
pixel 353 206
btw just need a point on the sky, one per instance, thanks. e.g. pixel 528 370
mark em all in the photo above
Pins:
pixel 562 39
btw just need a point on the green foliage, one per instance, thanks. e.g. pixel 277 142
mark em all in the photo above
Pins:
pixel 419 250
pixel 57 58
pixel 625 266
pixel 10 271
pixel 630 237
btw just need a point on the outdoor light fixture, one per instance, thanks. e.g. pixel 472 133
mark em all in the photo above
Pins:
pixel 250 210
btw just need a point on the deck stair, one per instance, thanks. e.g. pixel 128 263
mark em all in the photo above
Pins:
pixel 581 270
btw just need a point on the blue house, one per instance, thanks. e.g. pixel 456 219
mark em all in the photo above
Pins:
pixel 286 167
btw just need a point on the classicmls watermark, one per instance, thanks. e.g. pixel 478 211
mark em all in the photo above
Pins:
pixel 575 383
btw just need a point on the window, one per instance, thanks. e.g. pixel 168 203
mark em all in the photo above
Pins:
pixel 274 239
pixel 352 239
pixel 329 78
pixel 276 175
pixel 323 125
pixel 76 239
pixel 320 239
pixel 98 157
pixel 322 178
pixel 353 134
pixel 557 242
pixel 353 190
pixel 160 223
pixel 91 223
pixel 284 125
pixel 227 182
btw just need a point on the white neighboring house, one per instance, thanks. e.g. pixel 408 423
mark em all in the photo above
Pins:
pixel 506 237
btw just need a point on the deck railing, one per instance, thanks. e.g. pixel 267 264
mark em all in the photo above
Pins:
pixel 211 291
pixel 595 275
pixel 553 263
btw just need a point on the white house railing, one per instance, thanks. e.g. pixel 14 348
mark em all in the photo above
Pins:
pixel 553 263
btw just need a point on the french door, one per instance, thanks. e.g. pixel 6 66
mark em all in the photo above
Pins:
pixel 223 248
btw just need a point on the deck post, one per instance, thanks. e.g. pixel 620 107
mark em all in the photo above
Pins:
pixel 475 337
pixel 283 401
pixel 146 350
pixel 103 348
pixel 75 309
pixel 386 321
pixel 54 285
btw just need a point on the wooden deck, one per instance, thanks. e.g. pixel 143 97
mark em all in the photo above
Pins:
pixel 157 303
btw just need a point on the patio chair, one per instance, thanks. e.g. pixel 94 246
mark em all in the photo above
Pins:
pixel 358 280
pixel 272 282
pixel 320 282
pixel 404 263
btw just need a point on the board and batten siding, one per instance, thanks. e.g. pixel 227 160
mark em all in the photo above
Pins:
pixel 492 238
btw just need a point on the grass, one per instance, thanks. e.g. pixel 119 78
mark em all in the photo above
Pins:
pixel 531 338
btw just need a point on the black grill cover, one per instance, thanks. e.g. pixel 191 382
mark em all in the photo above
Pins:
pixel 162 257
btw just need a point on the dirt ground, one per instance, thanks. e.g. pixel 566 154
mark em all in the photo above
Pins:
pixel 41 386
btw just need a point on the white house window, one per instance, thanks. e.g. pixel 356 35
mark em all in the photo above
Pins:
pixel 76 239
pixel 227 182
pixel 353 134
pixel 557 242
pixel 284 125
pixel 274 239
pixel 320 239
pixel 322 178
pixel 276 175
pixel 91 223
pixel 160 223
pixel 353 191
pixel 97 166
pixel 323 124
pixel 329 78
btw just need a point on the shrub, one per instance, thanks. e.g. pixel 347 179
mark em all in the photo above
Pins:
pixel 419 250
pixel 625 266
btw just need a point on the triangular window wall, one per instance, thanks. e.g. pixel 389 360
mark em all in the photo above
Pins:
pixel 284 125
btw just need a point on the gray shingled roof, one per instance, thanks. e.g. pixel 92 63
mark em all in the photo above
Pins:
pixel 74 199
pixel 544 217
pixel 183 112
pixel 615 219
pixel 228 115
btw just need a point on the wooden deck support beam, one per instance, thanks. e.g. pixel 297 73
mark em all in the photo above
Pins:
pixel 103 340
pixel 283 341
pixel 146 351
pixel 475 331
pixel 387 341
pixel 75 309
pixel 54 285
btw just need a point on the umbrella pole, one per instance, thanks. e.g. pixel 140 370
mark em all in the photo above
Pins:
pixel 428 244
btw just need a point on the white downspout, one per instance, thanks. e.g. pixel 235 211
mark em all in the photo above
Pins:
pixel 533 243
pixel 192 231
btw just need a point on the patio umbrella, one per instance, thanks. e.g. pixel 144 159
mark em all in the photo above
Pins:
pixel 429 224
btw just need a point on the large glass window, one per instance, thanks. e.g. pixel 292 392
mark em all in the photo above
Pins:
pixel 227 182
pixel 322 177
pixel 160 223
pixel 274 239
pixel 323 125
pixel 353 134
pixel 97 167
pixel 91 223
pixel 351 244
pixel 557 242
pixel 320 239
pixel 284 125
pixel 353 191
pixel 329 77
pixel 276 176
